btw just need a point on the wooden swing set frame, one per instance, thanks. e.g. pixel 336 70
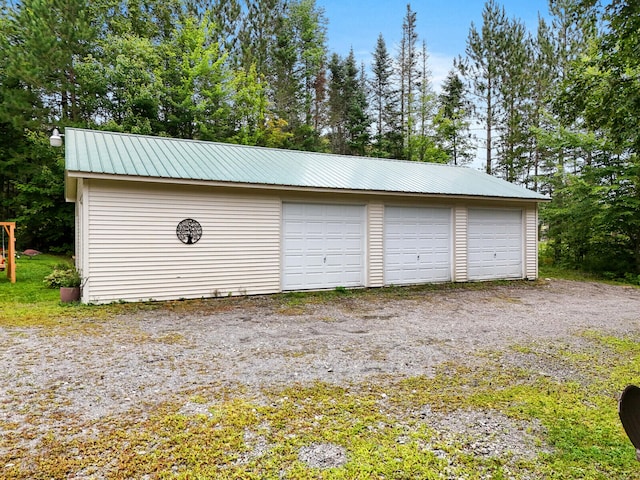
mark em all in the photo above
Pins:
pixel 10 229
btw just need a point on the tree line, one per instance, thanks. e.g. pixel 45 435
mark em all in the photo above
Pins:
pixel 550 109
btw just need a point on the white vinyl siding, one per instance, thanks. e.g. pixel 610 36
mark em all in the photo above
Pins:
pixel 127 248
pixel 323 246
pixel 417 245
pixel 460 244
pixel 133 252
pixel 79 225
pixel 495 246
pixel 375 250
pixel 531 245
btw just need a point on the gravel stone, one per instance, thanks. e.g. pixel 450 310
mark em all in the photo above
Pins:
pixel 486 433
pixel 323 455
pixel 132 362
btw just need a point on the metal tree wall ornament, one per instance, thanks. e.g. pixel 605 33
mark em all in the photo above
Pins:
pixel 189 231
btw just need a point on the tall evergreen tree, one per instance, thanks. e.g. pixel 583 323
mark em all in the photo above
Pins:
pixel 151 19
pixel 226 20
pixel 515 86
pixel 41 47
pixel 452 121
pixel 261 21
pixel 381 86
pixel 348 119
pixel 384 103
pixel 481 68
pixel 543 77
pixel 573 27
pixel 299 60
pixel 424 145
pixel 358 120
pixel 48 39
pixel 337 114
pixel 409 74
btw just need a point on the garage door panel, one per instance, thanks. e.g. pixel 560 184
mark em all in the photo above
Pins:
pixel 329 241
pixel 494 244
pixel 417 245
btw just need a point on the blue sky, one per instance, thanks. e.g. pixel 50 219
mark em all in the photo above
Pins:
pixel 444 25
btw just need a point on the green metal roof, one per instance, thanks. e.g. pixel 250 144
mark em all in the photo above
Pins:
pixel 99 152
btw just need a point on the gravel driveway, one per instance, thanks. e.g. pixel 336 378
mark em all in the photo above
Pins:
pixel 150 356
pixel 261 341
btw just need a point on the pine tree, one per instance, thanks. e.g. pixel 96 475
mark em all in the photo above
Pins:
pixel 381 86
pixel 226 20
pixel 408 64
pixel 543 76
pixel 481 69
pixel 337 105
pixel 424 139
pixel 348 118
pixel 385 103
pixel 261 21
pixel 154 20
pixel 573 27
pixel 299 60
pixel 452 121
pixel 515 86
pixel 358 121
pixel 48 39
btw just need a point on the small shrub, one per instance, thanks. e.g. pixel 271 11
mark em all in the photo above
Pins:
pixel 63 266
pixel 546 254
pixel 632 278
pixel 63 277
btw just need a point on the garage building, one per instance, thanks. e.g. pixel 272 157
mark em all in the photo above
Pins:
pixel 160 218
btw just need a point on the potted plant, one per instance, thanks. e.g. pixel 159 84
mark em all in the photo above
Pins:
pixel 68 280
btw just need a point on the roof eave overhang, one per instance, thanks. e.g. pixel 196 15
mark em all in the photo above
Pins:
pixel 71 186
pixel 72 176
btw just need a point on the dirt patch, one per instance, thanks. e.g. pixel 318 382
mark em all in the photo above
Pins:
pixel 147 358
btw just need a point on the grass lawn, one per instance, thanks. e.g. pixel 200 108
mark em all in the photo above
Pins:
pixel 28 303
pixel 574 422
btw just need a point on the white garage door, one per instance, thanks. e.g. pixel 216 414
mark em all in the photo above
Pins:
pixel 323 246
pixel 495 244
pixel 417 245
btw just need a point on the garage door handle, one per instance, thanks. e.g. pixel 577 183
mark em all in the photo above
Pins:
pixel 418 257
pixel 325 259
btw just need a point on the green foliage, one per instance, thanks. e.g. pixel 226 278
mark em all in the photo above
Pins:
pixel 63 276
pixel 297 62
pixel 348 118
pixel 452 121
pixel 29 287
pixel 594 219
pixel 44 220
pixel 484 53
pixel 586 230
pixel 384 98
pixel 559 109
